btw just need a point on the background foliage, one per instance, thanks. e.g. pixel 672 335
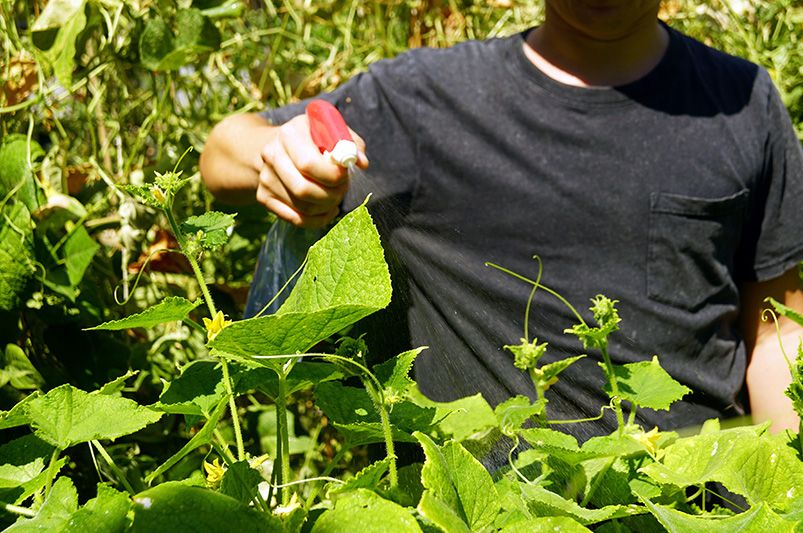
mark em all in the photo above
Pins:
pixel 101 93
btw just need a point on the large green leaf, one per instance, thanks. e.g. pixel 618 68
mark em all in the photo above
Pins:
pixel 367 478
pixel 346 267
pixel 210 229
pixel 646 384
pixel 241 482
pixel 363 511
pixel 55 33
pixel 16 254
pixel 347 406
pixel 760 467
pixel 79 250
pixel 456 479
pixel 547 524
pixel 460 419
pixel 161 49
pixel 345 279
pixel 197 391
pixel 22 467
pixel 171 309
pixel 543 502
pixel 758 519
pixel 173 506
pixel 61 503
pixel 66 416
pixel 106 513
pixel 15 168
pixel 18 370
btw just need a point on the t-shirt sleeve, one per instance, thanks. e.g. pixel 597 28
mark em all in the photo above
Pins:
pixel 381 106
pixel 777 235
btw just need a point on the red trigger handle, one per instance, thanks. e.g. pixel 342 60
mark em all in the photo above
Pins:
pixel 326 125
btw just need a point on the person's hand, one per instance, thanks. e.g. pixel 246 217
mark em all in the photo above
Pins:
pixel 298 183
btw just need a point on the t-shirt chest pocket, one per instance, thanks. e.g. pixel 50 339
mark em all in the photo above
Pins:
pixel 692 244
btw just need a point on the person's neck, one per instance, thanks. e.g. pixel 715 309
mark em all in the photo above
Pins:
pixel 567 55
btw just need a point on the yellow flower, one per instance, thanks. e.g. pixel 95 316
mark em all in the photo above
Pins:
pixel 158 195
pixel 214 326
pixel 214 473
pixel 649 440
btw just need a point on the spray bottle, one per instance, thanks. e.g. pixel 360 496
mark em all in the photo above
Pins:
pixel 286 246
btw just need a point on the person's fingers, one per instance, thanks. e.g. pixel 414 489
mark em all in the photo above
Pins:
pixel 288 214
pixel 307 158
pixel 362 159
pixel 299 189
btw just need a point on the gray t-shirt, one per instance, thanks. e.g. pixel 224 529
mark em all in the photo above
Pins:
pixel 663 194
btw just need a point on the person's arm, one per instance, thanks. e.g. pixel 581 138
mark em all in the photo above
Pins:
pixel 768 374
pixel 248 160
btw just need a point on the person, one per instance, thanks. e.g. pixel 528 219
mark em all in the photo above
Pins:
pixel 633 160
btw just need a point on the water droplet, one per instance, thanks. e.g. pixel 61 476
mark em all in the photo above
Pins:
pixel 714 451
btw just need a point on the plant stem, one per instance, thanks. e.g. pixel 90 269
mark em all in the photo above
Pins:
pixel 282 438
pixel 117 472
pixel 387 432
pixel 235 418
pixel 16 509
pixel 617 399
pixel 51 470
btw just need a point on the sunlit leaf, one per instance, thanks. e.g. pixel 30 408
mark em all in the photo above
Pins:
pixel 363 511
pixel 171 309
pixel 66 416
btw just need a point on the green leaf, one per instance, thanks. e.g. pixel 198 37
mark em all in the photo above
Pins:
pixel 115 386
pixel 202 438
pixel 196 32
pixel 394 375
pixel 760 467
pixel 555 444
pixel 16 254
pixel 514 412
pixel 155 43
pixel 171 309
pixel 173 506
pixel 441 514
pixel 211 229
pixel 758 519
pixel 362 433
pixel 367 478
pixel 23 463
pixel 646 384
pixel 66 416
pixel 546 524
pixel 352 411
pixel 454 477
pixel 363 511
pixel 197 391
pixel 545 503
pixel 345 279
pixel 65 18
pixel 460 419
pixel 346 267
pixel 55 512
pixel 241 482
pixel 548 374
pixel 105 513
pixel 18 370
pixel 79 250
pixel 18 415
pixel 16 170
